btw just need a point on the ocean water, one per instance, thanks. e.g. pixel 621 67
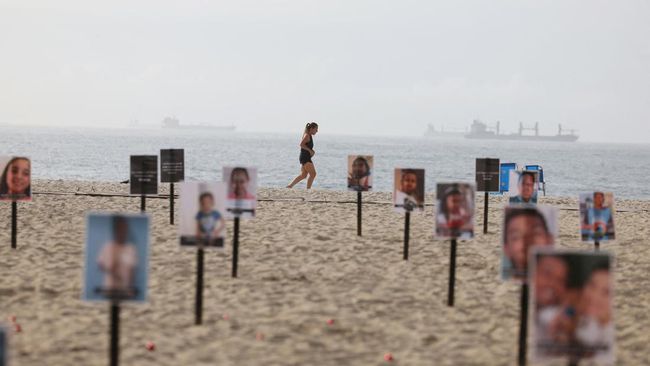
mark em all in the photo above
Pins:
pixel 103 154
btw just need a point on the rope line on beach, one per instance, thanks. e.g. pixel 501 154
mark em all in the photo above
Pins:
pixel 277 199
pixel 166 197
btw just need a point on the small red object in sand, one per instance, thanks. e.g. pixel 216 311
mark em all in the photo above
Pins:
pixel 259 336
pixel 18 328
pixel 12 318
pixel 388 357
pixel 150 346
pixel 330 321
pixel 226 317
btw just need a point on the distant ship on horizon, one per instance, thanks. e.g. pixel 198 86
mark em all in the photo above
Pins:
pixel 480 130
pixel 173 122
pixel 433 132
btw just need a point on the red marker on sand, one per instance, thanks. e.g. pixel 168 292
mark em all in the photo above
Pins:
pixel 225 317
pixel 388 357
pixel 150 346
pixel 330 321
pixel 18 328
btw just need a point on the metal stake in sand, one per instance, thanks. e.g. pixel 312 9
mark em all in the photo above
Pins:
pixel 198 304
pixel 114 350
pixel 597 236
pixel 235 247
pixel 171 203
pixel 485 212
pixel 407 225
pixel 523 325
pixel 452 273
pixel 143 203
pixel 14 223
pixel 359 213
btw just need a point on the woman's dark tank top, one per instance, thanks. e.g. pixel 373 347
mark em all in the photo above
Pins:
pixel 310 144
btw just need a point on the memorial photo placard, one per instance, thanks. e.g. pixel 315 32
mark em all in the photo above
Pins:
pixel 360 173
pixel 455 210
pixel 525 227
pixel 15 181
pixel 242 191
pixel 408 193
pixel 523 186
pixel 572 314
pixel 202 221
pixel 597 216
pixel 116 257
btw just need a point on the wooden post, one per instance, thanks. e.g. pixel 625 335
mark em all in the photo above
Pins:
pixel 14 224
pixel 407 225
pixel 115 334
pixel 198 304
pixel 235 247
pixel 452 273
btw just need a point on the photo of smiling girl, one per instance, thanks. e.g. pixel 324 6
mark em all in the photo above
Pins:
pixel 15 182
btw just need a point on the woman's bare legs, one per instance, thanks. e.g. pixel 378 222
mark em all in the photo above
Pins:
pixel 301 176
pixel 311 171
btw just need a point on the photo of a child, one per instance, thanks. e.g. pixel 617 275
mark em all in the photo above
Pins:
pixel 597 216
pixel 455 210
pixel 116 257
pixel 360 172
pixel 242 190
pixel 525 227
pixel 201 214
pixel 15 181
pixel 408 193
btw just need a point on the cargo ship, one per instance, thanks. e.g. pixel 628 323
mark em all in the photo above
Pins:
pixel 442 133
pixel 173 122
pixel 480 130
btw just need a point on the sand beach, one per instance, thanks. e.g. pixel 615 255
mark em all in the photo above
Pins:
pixel 300 265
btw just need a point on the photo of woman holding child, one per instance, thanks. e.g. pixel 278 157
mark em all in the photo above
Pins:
pixel 15 181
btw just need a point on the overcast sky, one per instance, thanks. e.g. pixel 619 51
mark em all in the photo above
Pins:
pixel 376 66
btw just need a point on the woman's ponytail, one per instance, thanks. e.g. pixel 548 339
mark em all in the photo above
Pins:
pixel 310 125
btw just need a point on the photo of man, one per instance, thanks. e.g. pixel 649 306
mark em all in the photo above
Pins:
pixel 525 191
pixel 408 194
